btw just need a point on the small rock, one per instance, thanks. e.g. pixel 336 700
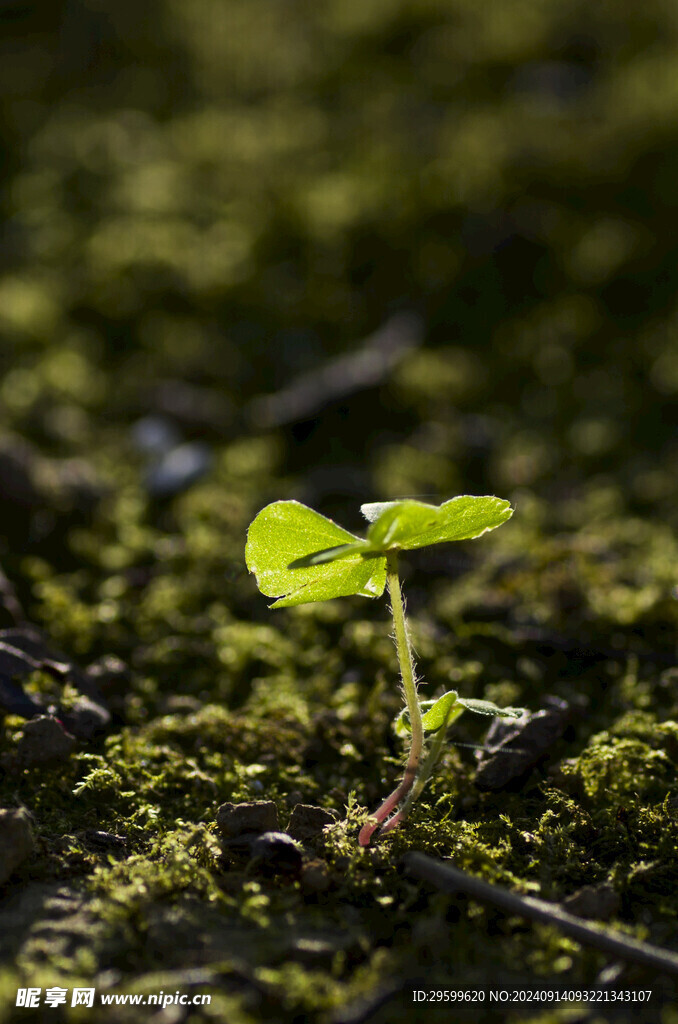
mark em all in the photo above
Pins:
pixel 518 745
pixel 178 469
pixel 599 902
pixel 308 821
pixel 105 840
pixel 155 435
pixel 16 841
pixel 259 816
pixel 85 719
pixel 315 877
pixel 44 740
pixel 276 852
pixel 33 646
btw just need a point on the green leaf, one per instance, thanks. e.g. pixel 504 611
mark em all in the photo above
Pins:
pixel 436 717
pixel 435 714
pixel 411 524
pixel 486 707
pixel 281 539
pixel 399 522
pixel 442 712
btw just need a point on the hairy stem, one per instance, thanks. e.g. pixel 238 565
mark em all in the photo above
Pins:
pixel 425 770
pixel 410 691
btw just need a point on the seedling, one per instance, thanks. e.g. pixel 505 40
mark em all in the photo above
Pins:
pixel 300 556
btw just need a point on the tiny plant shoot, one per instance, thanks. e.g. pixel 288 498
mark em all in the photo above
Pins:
pixel 299 556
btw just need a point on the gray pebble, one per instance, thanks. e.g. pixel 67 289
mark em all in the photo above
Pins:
pixel 276 852
pixel 44 740
pixel 517 745
pixel 178 469
pixel 155 435
pixel 308 821
pixel 256 817
pixel 85 719
pixel 598 902
pixel 16 841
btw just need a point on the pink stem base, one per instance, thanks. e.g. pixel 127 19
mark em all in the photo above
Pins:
pixel 389 805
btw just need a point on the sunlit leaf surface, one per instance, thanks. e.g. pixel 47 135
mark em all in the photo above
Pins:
pixel 414 524
pixel 287 532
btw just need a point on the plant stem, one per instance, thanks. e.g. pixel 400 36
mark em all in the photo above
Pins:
pixel 425 769
pixel 409 684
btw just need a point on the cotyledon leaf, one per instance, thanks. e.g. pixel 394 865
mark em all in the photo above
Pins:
pixel 435 714
pixel 444 710
pixel 280 542
pixel 412 524
pixel 300 556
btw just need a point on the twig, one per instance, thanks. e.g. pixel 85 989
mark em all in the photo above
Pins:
pixel 450 879
pixel 365 367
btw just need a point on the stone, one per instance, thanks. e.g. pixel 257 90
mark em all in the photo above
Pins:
pixel 155 435
pixel 44 740
pixel 234 820
pixel 276 853
pixel 516 746
pixel 178 469
pixel 16 841
pixel 308 821
pixel 598 902
pixel 85 719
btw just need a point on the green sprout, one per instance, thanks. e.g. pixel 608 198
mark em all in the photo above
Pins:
pixel 300 556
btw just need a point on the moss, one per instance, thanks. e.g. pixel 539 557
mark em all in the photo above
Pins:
pixel 300 685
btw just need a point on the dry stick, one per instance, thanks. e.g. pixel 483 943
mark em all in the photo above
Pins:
pixel 450 879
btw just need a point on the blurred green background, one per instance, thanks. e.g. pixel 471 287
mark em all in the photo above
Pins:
pixel 203 201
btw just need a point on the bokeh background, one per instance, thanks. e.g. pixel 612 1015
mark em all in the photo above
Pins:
pixel 339 251
pixel 202 202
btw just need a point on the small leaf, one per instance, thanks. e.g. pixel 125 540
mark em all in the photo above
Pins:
pixel 439 712
pixel 435 714
pixel 411 524
pixel 486 707
pixel 446 709
pixel 402 725
pixel 283 536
